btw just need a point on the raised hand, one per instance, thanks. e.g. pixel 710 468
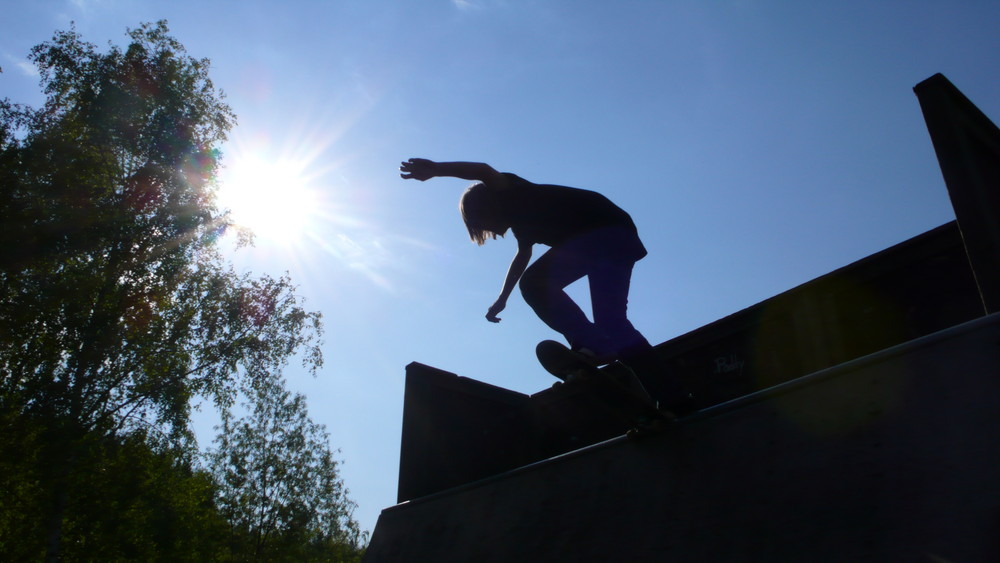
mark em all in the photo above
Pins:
pixel 417 169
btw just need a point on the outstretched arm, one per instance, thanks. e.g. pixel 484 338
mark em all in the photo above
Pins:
pixel 517 267
pixel 424 169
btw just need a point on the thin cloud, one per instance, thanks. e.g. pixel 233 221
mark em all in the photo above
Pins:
pixel 84 5
pixel 27 68
pixel 22 65
pixel 478 4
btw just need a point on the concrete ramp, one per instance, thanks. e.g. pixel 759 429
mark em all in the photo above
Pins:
pixel 894 456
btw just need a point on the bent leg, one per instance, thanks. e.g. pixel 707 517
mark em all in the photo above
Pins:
pixel 609 288
pixel 543 287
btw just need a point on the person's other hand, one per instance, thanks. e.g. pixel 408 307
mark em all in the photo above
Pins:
pixel 491 314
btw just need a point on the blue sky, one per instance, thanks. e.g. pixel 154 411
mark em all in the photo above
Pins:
pixel 757 145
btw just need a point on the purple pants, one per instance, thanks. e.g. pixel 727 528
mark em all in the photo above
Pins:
pixel 606 257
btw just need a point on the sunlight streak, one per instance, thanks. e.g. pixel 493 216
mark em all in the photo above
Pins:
pixel 295 193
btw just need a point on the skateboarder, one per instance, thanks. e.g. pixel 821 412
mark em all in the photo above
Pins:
pixel 587 234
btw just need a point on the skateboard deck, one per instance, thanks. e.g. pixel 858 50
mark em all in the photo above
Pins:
pixel 615 386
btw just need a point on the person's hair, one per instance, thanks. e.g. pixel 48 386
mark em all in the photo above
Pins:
pixel 476 205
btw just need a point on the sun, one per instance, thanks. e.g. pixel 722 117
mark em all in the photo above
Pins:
pixel 272 199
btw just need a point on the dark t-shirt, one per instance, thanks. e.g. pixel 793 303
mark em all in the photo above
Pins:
pixel 554 215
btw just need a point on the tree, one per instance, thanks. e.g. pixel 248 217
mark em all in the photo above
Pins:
pixel 279 484
pixel 116 307
pixel 138 500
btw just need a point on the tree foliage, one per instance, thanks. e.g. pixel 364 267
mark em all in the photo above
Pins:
pixel 116 307
pixel 115 304
pixel 280 487
pixel 134 498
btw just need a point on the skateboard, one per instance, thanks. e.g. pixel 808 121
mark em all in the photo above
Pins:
pixel 616 386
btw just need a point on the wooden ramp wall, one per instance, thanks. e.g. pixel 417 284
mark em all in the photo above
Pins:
pixel 890 457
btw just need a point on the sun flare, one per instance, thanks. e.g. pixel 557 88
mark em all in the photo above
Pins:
pixel 271 199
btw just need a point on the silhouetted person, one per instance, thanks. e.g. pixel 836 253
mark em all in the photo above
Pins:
pixel 588 235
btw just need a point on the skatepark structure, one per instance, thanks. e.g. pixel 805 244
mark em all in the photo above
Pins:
pixel 853 418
